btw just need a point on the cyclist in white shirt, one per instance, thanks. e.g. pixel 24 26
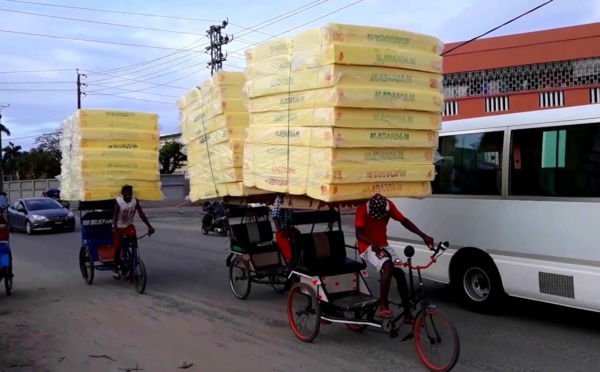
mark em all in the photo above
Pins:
pixel 126 206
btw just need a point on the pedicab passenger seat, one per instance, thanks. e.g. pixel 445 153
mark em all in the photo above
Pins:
pixel 256 240
pixel 253 237
pixel 324 254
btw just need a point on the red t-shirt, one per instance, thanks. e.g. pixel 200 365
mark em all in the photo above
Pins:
pixel 374 229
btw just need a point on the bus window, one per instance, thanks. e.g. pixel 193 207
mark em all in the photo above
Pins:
pixel 556 161
pixel 472 164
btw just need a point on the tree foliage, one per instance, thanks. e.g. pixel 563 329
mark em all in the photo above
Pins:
pixel 42 161
pixel 37 163
pixel 171 157
pixel 50 143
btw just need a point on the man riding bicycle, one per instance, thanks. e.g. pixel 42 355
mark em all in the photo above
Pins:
pixel 124 213
pixel 371 233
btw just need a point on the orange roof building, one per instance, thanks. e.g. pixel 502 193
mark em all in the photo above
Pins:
pixel 523 72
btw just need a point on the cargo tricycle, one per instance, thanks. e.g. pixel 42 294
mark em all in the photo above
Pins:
pixel 98 252
pixel 255 256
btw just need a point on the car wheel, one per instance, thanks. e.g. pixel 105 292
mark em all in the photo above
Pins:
pixel 28 228
pixel 479 285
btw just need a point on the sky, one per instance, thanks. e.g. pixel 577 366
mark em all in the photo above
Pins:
pixel 38 73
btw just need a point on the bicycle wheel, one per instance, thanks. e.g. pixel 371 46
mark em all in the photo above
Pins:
pixel 433 331
pixel 127 263
pixel 140 276
pixel 309 307
pixel 239 278
pixel 8 279
pixel 86 265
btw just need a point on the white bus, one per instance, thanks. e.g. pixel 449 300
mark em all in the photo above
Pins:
pixel 518 198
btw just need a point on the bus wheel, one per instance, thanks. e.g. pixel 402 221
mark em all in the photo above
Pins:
pixel 478 284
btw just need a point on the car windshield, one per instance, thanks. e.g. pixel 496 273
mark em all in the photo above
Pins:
pixel 41 204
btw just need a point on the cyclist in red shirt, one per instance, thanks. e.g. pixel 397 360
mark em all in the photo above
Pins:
pixel 371 232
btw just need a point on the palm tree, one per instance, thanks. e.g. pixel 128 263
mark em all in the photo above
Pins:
pixel 3 129
pixel 11 153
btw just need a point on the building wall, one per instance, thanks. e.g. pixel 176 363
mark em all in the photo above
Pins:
pixel 524 72
pixel 174 187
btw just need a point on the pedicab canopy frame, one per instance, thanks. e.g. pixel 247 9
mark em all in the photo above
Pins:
pixel 291 201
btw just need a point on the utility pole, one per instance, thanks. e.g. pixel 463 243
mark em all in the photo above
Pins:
pixel 79 85
pixel 2 106
pixel 216 42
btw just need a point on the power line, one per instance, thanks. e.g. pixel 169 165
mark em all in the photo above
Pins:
pixel 155 76
pixel 130 98
pixel 143 69
pixel 35 90
pixel 109 23
pixel 252 28
pixel 111 11
pixel 36 71
pixel 185 49
pixel 129 91
pixel 100 23
pixel 26 137
pixel 305 24
pixel 127 13
pixel 36 82
pixel 289 14
pixel 170 73
pixel 136 80
pixel 194 72
pixel 498 27
pixel 91 40
pixel 173 81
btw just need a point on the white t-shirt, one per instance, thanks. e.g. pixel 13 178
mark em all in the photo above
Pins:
pixel 126 212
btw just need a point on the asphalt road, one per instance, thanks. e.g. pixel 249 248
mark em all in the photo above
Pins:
pixel 55 322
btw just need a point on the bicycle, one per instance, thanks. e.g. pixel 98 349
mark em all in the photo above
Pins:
pixel 131 261
pixel 356 307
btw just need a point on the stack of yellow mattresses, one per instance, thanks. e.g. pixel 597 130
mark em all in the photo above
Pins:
pixel 342 112
pixel 102 150
pixel 213 122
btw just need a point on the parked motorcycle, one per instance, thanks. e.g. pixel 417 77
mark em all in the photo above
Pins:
pixel 215 219
pixel 220 225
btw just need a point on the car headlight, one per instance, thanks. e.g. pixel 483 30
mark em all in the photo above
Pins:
pixel 38 218
pixel 70 215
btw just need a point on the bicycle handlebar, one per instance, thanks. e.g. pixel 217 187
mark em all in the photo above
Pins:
pixel 409 251
pixel 139 237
